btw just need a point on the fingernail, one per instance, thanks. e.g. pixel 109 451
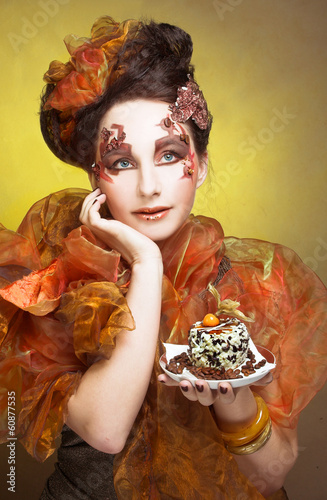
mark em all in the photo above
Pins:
pixel 199 387
pixel 223 390
pixel 162 381
pixel 184 388
pixel 94 201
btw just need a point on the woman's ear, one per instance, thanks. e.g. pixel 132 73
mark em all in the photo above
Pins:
pixel 92 180
pixel 202 169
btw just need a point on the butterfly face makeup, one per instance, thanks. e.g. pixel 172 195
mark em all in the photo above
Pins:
pixel 106 147
pixel 147 167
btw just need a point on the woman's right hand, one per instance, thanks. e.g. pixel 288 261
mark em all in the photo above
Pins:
pixel 134 247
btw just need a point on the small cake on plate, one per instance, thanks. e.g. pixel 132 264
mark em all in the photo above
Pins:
pixel 220 342
pixel 224 345
pixel 219 346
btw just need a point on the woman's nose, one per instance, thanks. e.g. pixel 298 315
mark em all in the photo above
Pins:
pixel 149 184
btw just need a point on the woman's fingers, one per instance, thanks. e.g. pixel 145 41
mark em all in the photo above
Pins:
pixel 204 394
pixel 87 203
pixel 130 243
pixel 201 391
pixel 188 390
pixel 164 379
pixel 226 393
pixel 91 206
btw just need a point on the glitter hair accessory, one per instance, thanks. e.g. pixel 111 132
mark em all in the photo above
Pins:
pixel 92 67
pixel 190 103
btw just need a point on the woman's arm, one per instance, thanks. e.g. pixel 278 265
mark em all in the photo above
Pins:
pixel 267 467
pixel 111 392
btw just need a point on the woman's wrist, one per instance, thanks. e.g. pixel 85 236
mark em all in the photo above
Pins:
pixel 242 432
pixel 240 413
pixel 151 267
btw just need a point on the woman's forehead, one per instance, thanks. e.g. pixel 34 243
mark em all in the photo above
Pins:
pixel 142 121
pixel 136 113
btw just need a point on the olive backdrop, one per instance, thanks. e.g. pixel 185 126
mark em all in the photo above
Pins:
pixel 262 67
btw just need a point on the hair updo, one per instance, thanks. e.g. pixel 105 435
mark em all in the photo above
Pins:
pixel 156 62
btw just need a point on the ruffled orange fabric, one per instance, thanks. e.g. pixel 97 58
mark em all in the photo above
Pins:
pixel 175 449
pixel 62 317
pixel 93 66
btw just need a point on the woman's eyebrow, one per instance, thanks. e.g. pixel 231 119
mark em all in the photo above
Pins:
pixel 123 148
pixel 170 141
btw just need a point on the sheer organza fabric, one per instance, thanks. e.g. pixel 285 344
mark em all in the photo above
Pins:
pixel 63 303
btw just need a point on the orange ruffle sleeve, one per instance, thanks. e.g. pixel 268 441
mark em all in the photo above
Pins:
pixel 57 319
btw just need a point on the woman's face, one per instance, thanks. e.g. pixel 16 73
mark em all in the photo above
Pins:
pixel 148 168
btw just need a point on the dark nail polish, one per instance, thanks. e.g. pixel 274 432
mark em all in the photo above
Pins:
pixel 184 388
pixel 162 381
pixel 223 390
pixel 94 201
pixel 199 387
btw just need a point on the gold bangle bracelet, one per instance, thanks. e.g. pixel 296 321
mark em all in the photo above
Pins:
pixel 244 435
pixel 255 445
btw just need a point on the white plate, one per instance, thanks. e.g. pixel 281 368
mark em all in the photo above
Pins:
pixel 259 352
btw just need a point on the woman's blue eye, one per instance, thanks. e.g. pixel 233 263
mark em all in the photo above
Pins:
pixel 123 164
pixel 168 157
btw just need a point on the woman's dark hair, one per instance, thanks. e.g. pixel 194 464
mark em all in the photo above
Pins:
pixel 155 64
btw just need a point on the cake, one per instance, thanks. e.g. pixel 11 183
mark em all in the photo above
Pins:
pixel 218 345
pixel 224 345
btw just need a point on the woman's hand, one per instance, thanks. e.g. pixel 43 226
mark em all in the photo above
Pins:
pixel 206 396
pixel 235 407
pixel 132 245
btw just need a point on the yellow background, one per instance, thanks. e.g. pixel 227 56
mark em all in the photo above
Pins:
pixel 255 60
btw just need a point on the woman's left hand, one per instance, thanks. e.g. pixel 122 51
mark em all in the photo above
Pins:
pixel 201 391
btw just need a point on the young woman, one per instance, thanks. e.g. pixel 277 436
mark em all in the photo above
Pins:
pixel 95 282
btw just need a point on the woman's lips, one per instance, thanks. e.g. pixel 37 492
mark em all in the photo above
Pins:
pixel 154 213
